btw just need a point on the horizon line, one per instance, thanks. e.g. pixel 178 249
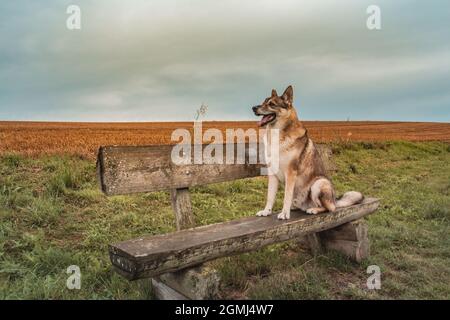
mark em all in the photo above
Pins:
pixel 191 121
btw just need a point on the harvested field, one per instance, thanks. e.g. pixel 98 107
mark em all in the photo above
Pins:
pixel 83 139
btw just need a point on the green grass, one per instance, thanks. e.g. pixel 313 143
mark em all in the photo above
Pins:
pixel 53 216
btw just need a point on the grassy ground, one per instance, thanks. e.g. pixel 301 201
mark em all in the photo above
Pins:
pixel 52 216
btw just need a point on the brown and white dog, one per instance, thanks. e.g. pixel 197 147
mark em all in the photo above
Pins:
pixel 307 186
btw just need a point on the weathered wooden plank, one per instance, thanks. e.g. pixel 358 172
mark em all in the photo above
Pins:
pixel 133 169
pixel 129 169
pixel 150 256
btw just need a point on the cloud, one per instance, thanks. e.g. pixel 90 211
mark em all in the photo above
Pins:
pixel 133 59
pixel 102 99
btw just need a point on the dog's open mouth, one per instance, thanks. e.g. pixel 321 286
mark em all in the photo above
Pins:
pixel 266 119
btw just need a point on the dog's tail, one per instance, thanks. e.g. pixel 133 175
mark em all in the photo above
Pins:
pixel 349 198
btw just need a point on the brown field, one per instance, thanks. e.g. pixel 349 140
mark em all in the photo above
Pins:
pixel 83 139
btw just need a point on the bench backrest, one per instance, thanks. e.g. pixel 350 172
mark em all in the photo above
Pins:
pixel 134 169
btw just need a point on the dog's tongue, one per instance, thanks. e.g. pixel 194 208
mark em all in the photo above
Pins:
pixel 265 119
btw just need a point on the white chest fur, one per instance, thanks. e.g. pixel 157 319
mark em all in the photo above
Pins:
pixel 279 153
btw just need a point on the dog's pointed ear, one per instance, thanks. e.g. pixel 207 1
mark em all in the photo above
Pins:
pixel 274 93
pixel 288 94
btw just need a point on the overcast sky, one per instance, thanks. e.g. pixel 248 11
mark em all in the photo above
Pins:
pixel 148 60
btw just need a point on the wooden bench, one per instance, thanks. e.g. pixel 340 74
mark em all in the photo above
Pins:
pixel 175 261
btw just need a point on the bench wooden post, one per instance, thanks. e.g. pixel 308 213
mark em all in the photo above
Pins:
pixel 184 219
pixel 182 207
pixel 201 282
pixel 314 243
pixel 350 239
pixel 198 283
pixel 164 292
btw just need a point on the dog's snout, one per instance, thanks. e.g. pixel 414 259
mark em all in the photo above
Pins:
pixel 255 108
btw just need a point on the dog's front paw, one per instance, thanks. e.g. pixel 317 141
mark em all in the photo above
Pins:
pixel 284 215
pixel 264 213
pixel 313 211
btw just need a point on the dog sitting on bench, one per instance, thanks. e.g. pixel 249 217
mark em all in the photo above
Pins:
pixel 307 186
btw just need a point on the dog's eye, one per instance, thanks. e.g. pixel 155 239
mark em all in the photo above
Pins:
pixel 271 103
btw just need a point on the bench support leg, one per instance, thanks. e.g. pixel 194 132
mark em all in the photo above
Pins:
pixel 350 239
pixel 199 283
pixel 181 204
pixel 314 243
pixel 164 292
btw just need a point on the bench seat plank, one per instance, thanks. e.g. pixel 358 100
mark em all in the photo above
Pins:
pixel 153 255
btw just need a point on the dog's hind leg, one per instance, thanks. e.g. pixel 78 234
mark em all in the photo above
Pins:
pixel 322 194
